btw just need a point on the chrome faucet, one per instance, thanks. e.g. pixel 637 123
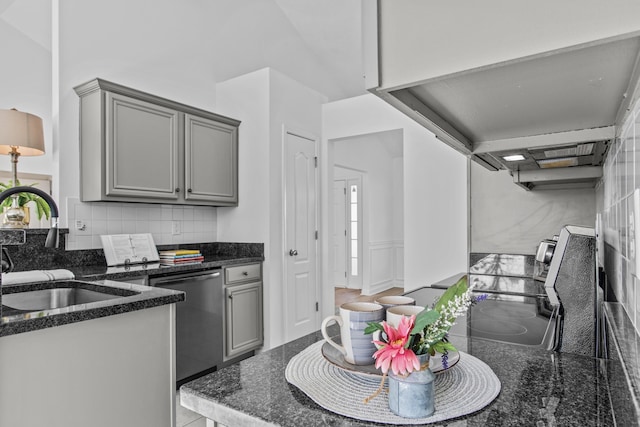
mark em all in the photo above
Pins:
pixel 53 237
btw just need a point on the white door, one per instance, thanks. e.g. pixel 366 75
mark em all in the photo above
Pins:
pixel 339 234
pixel 301 293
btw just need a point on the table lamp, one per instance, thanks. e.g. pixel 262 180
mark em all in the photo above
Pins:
pixel 21 134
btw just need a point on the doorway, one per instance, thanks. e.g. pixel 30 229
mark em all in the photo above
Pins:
pixel 368 235
pixel 348 226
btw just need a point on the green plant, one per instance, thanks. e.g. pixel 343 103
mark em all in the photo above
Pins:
pixel 42 208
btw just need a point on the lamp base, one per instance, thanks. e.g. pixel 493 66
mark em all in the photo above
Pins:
pixel 16 217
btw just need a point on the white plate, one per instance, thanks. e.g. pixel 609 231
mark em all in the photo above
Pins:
pixel 336 358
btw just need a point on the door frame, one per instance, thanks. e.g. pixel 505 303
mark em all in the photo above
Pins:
pixel 283 177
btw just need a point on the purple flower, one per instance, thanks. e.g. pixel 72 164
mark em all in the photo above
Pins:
pixel 479 298
pixel 445 360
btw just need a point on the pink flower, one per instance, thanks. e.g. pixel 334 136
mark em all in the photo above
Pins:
pixel 402 360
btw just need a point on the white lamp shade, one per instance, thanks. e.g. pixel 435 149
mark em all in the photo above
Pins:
pixel 22 130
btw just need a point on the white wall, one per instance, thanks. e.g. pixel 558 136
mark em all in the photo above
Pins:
pixel 177 50
pixel 435 188
pixel 25 74
pixel 504 218
pixel 155 49
pixel 266 101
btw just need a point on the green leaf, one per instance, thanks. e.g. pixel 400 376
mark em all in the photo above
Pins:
pixel 42 208
pixel 456 290
pixel 372 327
pixel 442 347
pixel 423 319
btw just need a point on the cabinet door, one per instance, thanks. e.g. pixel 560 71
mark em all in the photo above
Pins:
pixel 211 161
pixel 243 318
pixel 141 149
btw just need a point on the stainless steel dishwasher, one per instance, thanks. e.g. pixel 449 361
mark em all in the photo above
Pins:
pixel 198 321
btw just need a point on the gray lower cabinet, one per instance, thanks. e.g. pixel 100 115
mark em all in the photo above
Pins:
pixel 137 147
pixel 243 318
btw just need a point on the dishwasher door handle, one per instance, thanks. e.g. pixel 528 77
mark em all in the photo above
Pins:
pixel 185 278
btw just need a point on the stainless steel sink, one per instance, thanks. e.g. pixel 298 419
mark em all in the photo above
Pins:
pixel 57 297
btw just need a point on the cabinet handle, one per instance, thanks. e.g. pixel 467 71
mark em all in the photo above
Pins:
pixel 245 273
pixel 189 190
pixel 230 296
pixel 293 252
pixel 177 190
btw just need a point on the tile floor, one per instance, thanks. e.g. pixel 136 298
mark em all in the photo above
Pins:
pixel 187 418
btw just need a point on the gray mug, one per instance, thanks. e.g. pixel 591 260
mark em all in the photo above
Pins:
pixel 357 348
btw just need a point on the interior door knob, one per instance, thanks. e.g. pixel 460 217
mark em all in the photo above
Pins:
pixel 293 252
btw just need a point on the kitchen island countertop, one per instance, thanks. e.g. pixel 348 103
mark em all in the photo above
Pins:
pixel 539 388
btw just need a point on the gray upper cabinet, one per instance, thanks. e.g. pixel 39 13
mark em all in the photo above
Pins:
pixel 141 158
pixel 137 147
pixel 211 159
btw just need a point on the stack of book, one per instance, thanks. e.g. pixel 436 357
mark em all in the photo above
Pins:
pixel 181 256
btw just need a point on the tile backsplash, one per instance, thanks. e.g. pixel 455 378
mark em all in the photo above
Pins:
pixel 168 224
pixel 621 178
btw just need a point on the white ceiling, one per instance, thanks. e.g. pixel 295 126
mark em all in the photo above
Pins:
pixel 36 26
pixel 315 42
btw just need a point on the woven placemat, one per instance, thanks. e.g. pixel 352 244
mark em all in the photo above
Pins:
pixel 465 388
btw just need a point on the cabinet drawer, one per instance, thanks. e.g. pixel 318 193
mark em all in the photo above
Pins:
pixel 242 273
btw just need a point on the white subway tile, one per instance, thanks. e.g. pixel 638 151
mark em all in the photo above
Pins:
pixel 129 226
pixel 155 213
pixel 97 226
pixel 114 212
pixel 167 213
pixel 188 213
pixel 143 227
pixel 155 227
pixel 178 213
pixel 84 242
pixel 142 213
pixel 96 242
pixel 98 211
pixel 114 227
pixel 129 211
pixel 188 226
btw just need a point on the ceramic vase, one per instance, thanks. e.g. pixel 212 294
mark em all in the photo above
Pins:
pixel 413 395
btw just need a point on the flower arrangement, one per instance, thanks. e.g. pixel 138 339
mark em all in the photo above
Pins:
pixel 425 333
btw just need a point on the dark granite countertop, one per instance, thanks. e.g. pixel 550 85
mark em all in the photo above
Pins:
pixel 90 266
pixel 130 297
pixel 99 272
pixel 539 388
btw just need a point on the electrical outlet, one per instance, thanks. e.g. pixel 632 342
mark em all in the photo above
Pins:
pixel 80 225
pixel 175 228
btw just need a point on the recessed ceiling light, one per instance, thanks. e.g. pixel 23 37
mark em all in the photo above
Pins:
pixel 513 157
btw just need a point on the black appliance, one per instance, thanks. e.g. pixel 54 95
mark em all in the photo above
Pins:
pixel 199 336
